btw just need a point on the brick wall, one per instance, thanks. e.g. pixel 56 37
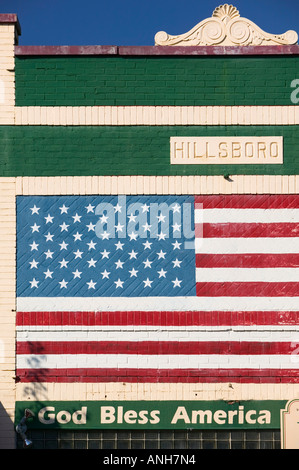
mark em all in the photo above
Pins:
pixel 125 150
pixel 154 81
pixel 81 123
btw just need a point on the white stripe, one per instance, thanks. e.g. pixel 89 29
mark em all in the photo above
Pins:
pixel 26 329
pixel 156 115
pixel 154 391
pixel 247 274
pixel 186 335
pixel 247 245
pixel 246 215
pixel 160 304
pixel 128 361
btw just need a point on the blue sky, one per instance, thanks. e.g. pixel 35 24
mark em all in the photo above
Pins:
pixel 133 22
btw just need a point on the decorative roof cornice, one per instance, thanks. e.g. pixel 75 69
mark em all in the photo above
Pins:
pixel 226 28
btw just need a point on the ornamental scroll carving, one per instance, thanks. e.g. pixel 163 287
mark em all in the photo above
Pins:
pixel 226 28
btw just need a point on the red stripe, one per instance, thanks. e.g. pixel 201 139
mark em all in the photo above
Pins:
pixel 248 201
pixel 156 347
pixel 159 375
pixel 247 289
pixel 246 230
pixel 197 318
pixel 248 260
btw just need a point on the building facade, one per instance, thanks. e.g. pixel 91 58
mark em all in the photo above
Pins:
pixel 149 240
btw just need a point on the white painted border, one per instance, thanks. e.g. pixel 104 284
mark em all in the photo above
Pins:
pixel 155 391
pixel 193 184
pixel 156 115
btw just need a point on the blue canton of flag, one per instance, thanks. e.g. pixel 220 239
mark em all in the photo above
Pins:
pixel 105 246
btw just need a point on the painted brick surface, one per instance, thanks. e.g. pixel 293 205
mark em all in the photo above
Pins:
pixel 207 308
pixel 75 151
pixel 125 150
pixel 154 81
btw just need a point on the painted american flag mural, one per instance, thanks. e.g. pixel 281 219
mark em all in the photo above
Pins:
pixel 157 288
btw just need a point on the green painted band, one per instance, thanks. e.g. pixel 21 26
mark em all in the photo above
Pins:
pixel 155 81
pixel 141 414
pixel 126 150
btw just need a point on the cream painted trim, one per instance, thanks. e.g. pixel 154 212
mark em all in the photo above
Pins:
pixel 156 115
pixel 7 311
pixel 7 74
pixel 153 391
pixel 238 184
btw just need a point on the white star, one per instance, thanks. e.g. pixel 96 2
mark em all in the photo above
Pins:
pixel 119 227
pixel 132 218
pixel 105 254
pixel 117 208
pixel 161 218
pixel 48 273
pixel 77 218
pixel 133 254
pixel 63 284
pixel 49 254
pixel 90 227
pixel 147 283
pixel 63 246
pixel 77 236
pixel 146 227
pixel 176 245
pixel 105 274
pixel 176 208
pixel 162 273
pixel 176 283
pixel 92 263
pixel 63 263
pixel 176 227
pixel 91 284
pixel 90 208
pixel 33 264
pixel 145 208
pixel 147 244
pixel 49 237
pixel 105 235
pixel 161 236
pixel 119 264
pixel 133 236
pixel 77 274
pixel 161 254
pixel 63 209
pixel 176 263
pixel 34 210
pixel 104 219
pixel 147 264
pixel 64 227
pixel 119 245
pixel 91 245
pixel 49 219
pixel 34 246
pixel 34 283
pixel 78 254
pixel 119 283
pixel 35 228
pixel 133 272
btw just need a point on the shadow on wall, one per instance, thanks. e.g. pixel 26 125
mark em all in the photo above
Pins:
pixel 34 375
pixel 7 430
pixel 33 391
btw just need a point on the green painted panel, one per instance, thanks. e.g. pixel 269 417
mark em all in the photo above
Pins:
pixel 126 150
pixel 140 414
pixel 155 81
